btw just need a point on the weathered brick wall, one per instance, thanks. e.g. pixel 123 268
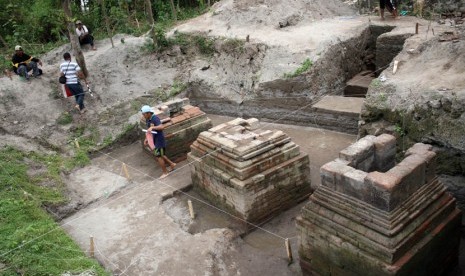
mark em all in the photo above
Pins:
pixel 183 123
pixel 361 221
pixel 253 173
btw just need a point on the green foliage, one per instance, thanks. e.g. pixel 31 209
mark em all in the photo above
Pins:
pixel 234 43
pixel 176 88
pixel 375 83
pixel 65 118
pixel 399 130
pixel 205 45
pixel 32 242
pixel 180 39
pixel 108 140
pixel 167 94
pixel 160 35
pixel 41 25
pixel 306 65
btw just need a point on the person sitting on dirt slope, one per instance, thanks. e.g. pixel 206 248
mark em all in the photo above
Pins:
pixel 154 124
pixel 84 36
pixel 23 63
pixel 73 73
pixel 391 7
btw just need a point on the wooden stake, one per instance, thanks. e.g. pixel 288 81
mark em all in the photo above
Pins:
pixel 288 249
pixel 394 69
pixel 91 250
pixel 76 142
pixel 126 173
pixel 191 209
pixel 416 28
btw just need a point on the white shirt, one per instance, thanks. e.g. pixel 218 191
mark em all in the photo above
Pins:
pixel 81 31
pixel 70 70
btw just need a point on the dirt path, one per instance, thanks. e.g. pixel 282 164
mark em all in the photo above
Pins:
pixel 136 234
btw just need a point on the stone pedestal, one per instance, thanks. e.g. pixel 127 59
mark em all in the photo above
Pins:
pixel 373 217
pixel 251 172
pixel 183 123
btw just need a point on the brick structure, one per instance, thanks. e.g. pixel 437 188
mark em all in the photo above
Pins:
pixel 371 216
pixel 251 172
pixel 183 123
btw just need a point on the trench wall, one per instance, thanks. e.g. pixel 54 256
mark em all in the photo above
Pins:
pixel 292 98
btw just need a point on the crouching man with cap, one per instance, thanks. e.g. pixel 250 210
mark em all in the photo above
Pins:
pixel 154 124
pixel 84 35
pixel 23 63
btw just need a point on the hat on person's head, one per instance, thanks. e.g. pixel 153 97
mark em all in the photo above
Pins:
pixel 146 109
pixel 78 22
pixel 18 48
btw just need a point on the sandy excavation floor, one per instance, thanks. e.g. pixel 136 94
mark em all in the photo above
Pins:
pixel 137 233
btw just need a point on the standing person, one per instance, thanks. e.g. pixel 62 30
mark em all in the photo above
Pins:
pixel 154 124
pixel 23 63
pixel 73 73
pixel 84 36
pixel 391 7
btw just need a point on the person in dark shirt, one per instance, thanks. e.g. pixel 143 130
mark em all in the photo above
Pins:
pixel 84 35
pixel 391 6
pixel 23 63
pixel 154 124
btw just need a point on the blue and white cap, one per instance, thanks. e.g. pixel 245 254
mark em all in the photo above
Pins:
pixel 146 109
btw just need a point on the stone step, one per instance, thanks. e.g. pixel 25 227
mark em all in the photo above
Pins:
pixel 358 85
pixel 338 113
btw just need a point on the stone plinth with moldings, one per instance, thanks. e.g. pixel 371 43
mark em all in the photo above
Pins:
pixel 371 216
pixel 252 172
pixel 183 123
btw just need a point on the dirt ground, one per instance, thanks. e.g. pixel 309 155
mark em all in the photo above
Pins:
pixel 141 228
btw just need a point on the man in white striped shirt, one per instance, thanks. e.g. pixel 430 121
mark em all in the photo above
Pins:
pixel 73 73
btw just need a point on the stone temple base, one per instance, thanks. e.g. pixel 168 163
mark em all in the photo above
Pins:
pixel 183 123
pixel 251 172
pixel 372 217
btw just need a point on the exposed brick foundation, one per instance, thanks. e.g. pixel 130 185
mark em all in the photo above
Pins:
pixel 373 217
pixel 251 172
pixel 183 123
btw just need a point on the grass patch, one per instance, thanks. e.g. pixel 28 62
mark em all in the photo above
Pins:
pixel 176 88
pixel 164 95
pixel 376 83
pixel 306 65
pixel 65 118
pixel 234 43
pixel 32 243
pixel 205 45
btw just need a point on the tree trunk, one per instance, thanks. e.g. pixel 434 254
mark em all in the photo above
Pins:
pixel 3 42
pixel 148 5
pixel 107 22
pixel 74 39
pixel 173 10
